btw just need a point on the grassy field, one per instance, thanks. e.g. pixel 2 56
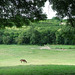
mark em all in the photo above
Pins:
pixel 58 60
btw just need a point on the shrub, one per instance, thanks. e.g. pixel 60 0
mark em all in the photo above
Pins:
pixel 7 40
pixel 48 37
pixel 35 37
pixel 23 38
pixel 1 36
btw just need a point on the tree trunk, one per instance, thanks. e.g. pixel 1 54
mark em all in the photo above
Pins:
pixel 70 20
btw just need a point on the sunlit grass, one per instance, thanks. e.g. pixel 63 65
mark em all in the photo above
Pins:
pixel 58 54
pixel 60 59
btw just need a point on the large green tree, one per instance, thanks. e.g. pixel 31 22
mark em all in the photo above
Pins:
pixel 65 8
pixel 28 9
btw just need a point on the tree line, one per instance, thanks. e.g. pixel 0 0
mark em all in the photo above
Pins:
pixel 38 37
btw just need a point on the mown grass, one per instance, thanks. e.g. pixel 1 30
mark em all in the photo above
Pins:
pixel 59 60
pixel 38 70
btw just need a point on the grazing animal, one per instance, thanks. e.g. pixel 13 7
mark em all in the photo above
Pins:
pixel 23 60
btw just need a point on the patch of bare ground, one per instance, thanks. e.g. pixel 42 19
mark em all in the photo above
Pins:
pixel 45 47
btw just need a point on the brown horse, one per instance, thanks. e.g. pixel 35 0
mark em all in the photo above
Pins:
pixel 23 60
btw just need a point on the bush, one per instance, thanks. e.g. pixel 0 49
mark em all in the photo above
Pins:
pixel 1 40
pixel 47 37
pixel 20 39
pixel 1 36
pixel 35 37
pixel 7 40
pixel 23 38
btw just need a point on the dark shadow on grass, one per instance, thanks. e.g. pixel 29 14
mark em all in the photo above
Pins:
pixel 38 70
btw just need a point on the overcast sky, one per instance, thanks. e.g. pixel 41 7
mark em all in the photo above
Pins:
pixel 48 10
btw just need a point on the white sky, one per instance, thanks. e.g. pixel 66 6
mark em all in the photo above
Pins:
pixel 48 10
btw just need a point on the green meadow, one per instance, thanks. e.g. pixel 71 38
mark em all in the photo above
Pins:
pixel 41 60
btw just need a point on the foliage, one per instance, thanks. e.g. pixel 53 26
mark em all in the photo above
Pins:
pixel 34 36
pixel 1 36
pixel 20 11
pixel 7 39
pixel 65 8
pixel 23 38
pixel 69 34
pixel 43 32
pixel 47 37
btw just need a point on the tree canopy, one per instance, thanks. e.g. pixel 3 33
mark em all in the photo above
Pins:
pixel 65 8
pixel 28 9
